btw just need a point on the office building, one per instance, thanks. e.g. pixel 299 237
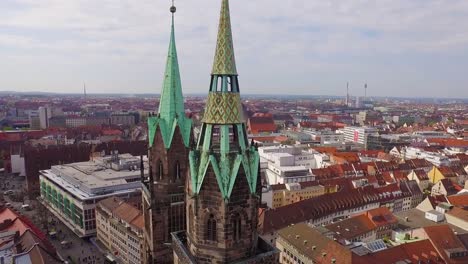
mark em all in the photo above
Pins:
pixel 71 191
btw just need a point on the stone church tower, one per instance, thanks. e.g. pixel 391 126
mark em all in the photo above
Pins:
pixel 223 187
pixel 169 135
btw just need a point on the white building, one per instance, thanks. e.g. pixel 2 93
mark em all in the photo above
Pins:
pixel 71 191
pixel 435 216
pixel 358 134
pixel 287 164
pixel 416 153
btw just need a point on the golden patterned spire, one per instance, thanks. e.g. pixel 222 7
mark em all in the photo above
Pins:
pixel 224 61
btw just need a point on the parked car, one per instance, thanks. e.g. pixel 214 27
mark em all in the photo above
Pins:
pixel 66 244
pixel 9 192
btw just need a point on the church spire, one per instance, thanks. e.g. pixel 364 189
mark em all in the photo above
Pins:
pixel 172 101
pixel 171 104
pixel 223 142
pixel 224 61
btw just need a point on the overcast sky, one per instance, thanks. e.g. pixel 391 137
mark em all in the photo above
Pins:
pixel 399 47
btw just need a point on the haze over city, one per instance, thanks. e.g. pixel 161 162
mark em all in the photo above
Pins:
pixel 273 132
pixel 400 48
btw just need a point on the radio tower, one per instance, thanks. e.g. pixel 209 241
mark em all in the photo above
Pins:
pixel 365 91
pixel 84 90
pixel 347 94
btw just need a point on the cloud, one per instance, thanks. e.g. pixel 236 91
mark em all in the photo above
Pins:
pixel 308 46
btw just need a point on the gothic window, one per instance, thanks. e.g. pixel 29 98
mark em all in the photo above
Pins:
pixel 160 168
pixel 177 170
pixel 236 227
pixel 211 229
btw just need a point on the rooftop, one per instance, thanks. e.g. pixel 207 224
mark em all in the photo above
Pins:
pixel 312 244
pixel 100 176
pixel 417 219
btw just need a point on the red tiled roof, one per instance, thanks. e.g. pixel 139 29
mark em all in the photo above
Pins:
pixel 419 163
pixel 111 132
pixel 421 174
pixel 443 239
pixel 278 187
pixel 414 252
pixel 387 176
pixel 313 208
pixel 447 171
pixel 347 156
pixel 259 123
pixel 460 200
pixel 436 199
pixel 326 150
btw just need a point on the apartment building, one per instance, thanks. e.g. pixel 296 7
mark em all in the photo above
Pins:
pixel 284 194
pixel 119 227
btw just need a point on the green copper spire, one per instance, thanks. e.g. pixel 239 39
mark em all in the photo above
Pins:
pixel 172 101
pixel 171 105
pixel 224 61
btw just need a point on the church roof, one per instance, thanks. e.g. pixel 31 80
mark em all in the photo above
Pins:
pixel 171 105
pixel 224 61
pixel 223 144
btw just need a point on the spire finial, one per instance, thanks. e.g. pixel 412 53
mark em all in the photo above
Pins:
pixel 173 9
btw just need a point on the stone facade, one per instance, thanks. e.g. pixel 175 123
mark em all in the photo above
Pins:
pixel 235 221
pixel 266 253
pixel 163 197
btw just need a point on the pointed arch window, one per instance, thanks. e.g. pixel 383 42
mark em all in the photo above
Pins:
pixel 160 169
pixel 177 170
pixel 211 228
pixel 236 227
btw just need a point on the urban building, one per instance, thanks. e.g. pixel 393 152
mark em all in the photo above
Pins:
pixel 78 121
pixel 287 164
pixel 329 208
pixel 420 176
pixel 457 176
pixel 169 135
pixel 119 227
pixel 23 242
pixel 436 159
pixel 261 123
pixel 223 191
pixel 374 224
pixel 359 135
pixel 126 119
pixel 34 120
pixel 284 194
pixel 42 157
pixel 71 191
pixel 302 244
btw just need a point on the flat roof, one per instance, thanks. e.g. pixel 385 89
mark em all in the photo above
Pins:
pixel 417 219
pixel 101 176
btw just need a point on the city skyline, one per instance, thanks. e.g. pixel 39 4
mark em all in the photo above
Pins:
pixel 400 48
